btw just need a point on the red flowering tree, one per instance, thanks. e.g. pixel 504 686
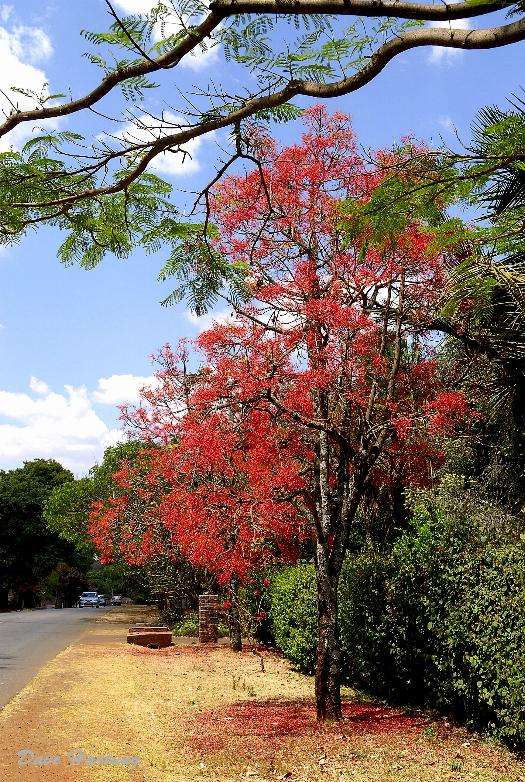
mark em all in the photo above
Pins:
pixel 322 387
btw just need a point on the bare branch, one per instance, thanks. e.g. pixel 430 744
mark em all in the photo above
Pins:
pixel 397 9
pixel 128 35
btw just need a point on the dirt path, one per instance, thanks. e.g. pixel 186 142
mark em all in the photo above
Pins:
pixel 188 713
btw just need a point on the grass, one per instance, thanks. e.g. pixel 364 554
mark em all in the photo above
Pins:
pixel 193 713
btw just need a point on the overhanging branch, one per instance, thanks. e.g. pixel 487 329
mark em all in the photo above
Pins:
pixel 397 9
pixel 221 9
pixel 450 38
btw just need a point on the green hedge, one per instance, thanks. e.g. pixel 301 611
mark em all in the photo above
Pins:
pixel 439 620
pixel 291 606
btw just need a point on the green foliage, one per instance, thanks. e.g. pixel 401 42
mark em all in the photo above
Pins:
pixel 291 604
pixel 187 627
pixel 65 512
pixel 115 578
pixel 439 620
pixel 456 609
pixel 286 112
pixel 64 584
pixel 29 550
pixel 496 169
pixel 68 506
pixel 471 280
pixel 36 185
pixel 202 273
pixel 364 632
pixel 412 189
pixel 499 134
pixel 319 51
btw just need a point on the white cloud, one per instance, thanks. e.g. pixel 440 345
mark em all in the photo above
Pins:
pixel 121 389
pixel 5 13
pixel 38 386
pixel 42 423
pixel 21 48
pixel 146 128
pixel 204 322
pixel 441 55
pixel 112 437
pixel 447 124
pixel 52 426
pixel 31 43
pixel 136 6
pixel 197 59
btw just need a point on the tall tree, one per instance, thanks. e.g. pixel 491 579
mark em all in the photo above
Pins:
pixel 67 509
pixel 322 386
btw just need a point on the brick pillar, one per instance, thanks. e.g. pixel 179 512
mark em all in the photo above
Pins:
pixel 208 618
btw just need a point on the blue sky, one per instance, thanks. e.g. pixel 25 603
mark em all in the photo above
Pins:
pixel 75 343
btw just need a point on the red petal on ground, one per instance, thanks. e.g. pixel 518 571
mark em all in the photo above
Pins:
pixel 275 719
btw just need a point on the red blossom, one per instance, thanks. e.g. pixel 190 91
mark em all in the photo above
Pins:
pixel 229 473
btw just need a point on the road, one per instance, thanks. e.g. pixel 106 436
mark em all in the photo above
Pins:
pixel 28 639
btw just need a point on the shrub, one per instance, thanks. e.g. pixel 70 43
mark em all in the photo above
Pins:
pixel 438 620
pixel 363 621
pixel 189 626
pixel 456 610
pixel 291 604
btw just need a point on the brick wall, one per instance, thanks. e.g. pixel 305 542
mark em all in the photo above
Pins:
pixel 209 613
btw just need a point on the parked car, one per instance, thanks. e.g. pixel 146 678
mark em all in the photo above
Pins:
pixel 103 600
pixel 116 600
pixel 88 599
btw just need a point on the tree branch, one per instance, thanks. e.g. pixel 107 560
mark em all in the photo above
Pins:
pixel 221 9
pixel 397 9
pixel 166 61
pixel 128 35
pixel 451 38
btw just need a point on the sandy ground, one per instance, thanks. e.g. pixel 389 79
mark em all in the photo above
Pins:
pixel 191 713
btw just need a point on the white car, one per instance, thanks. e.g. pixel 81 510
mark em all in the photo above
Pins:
pixel 88 599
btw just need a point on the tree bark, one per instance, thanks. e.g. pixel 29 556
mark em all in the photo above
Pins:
pixel 328 665
pixel 234 619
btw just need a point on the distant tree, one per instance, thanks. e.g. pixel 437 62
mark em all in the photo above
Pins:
pixel 118 578
pixel 29 550
pixel 67 512
pixel 65 583
pixel 68 506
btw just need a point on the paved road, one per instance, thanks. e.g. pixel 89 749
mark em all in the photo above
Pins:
pixel 28 639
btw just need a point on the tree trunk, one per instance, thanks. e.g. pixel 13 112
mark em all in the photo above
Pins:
pixel 328 667
pixel 234 618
